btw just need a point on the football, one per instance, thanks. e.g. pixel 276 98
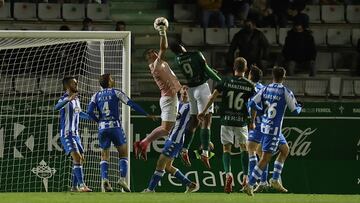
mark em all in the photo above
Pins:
pixel 160 21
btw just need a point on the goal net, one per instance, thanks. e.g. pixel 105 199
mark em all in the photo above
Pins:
pixel 32 66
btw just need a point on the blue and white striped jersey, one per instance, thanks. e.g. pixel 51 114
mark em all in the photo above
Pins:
pixel 69 116
pixel 107 102
pixel 258 87
pixel 273 100
pixel 178 131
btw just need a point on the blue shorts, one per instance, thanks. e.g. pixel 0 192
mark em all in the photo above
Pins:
pixel 72 144
pixel 270 143
pixel 255 136
pixel 111 135
pixel 172 149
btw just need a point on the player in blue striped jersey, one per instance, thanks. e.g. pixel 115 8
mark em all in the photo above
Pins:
pixel 70 112
pixel 172 148
pixel 255 135
pixel 106 102
pixel 273 100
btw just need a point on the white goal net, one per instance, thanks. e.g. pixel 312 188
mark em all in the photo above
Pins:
pixel 32 66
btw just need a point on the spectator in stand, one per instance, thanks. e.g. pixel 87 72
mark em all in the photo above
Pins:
pixel 299 49
pixel 87 25
pixel 280 10
pixel 121 26
pixel 296 11
pixel 252 45
pixel 209 10
pixel 235 9
pixel 64 27
pixel 2 2
pixel 265 16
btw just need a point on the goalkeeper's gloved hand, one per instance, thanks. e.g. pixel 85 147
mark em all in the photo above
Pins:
pixel 162 30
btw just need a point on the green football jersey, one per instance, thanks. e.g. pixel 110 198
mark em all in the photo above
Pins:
pixel 236 92
pixel 192 65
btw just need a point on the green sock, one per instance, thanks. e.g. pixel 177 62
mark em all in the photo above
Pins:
pixel 227 162
pixel 189 136
pixel 245 162
pixel 205 138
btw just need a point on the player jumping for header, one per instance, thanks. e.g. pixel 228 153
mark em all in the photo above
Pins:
pixel 168 84
pixel 70 112
pixel 273 100
pixel 196 71
pixel 173 147
pixel 236 91
pixel 106 102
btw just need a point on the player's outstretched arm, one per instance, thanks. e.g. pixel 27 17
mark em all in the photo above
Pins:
pixel 126 100
pixel 212 98
pixel 62 102
pixel 161 25
pixel 213 74
pixel 85 116
pixel 292 103
pixel 90 112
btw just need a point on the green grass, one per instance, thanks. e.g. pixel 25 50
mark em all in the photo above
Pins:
pixel 172 198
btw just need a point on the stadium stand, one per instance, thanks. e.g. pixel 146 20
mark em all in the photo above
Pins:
pixel 333 13
pixel 25 11
pixel 335 29
pixel 216 36
pixel 98 12
pixel 73 12
pixel 353 13
pixel 5 12
pixel 49 12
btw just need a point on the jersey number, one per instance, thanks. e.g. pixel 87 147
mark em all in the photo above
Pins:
pixel 106 109
pixel 235 102
pixel 188 69
pixel 270 109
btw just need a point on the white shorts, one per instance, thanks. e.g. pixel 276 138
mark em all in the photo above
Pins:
pixel 234 135
pixel 169 108
pixel 199 97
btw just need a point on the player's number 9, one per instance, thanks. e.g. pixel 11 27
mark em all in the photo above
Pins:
pixel 188 69
pixel 236 103
pixel 106 109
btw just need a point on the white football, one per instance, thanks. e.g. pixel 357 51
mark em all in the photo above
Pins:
pixel 160 21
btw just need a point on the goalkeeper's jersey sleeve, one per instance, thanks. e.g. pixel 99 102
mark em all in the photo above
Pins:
pixel 192 65
pixel 236 93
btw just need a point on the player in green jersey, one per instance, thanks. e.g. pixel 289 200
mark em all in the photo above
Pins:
pixel 196 71
pixel 236 91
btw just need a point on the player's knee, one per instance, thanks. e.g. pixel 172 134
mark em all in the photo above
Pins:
pixel 284 150
pixel 105 155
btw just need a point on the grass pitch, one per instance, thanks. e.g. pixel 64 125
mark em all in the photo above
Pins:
pixel 171 198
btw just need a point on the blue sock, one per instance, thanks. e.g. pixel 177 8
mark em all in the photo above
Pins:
pixel 78 170
pixel 255 175
pixel 252 163
pixel 74 179
pixel 155 179
pixel 278 166
pixel 182 177
pixel 264 175
pixel 123 167
pixel 104 165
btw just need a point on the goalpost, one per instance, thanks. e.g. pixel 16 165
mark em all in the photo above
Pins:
pixel 32 65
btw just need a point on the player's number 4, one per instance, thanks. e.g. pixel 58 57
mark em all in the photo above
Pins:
pixel 106 109
pixel 235 102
